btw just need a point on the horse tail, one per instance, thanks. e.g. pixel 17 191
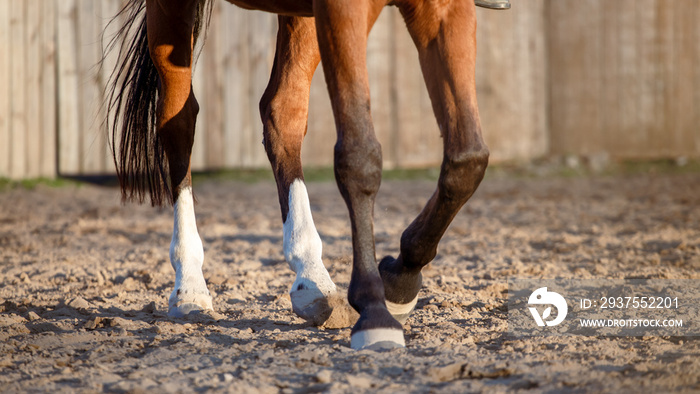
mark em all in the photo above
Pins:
pixel 131 99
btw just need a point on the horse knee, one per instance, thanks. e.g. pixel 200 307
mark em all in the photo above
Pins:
pixel 358 164
pixel 462 172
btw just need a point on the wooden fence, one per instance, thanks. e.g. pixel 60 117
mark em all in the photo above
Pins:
pixel 624 77
pixel 553 77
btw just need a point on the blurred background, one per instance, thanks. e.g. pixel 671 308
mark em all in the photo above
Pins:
pixel 592 80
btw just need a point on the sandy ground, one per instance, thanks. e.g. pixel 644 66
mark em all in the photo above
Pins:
pixel 84 283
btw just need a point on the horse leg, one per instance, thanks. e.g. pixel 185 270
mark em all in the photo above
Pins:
pixel 447 52
pixel 343 26
pixel 284 111
pixel 170 47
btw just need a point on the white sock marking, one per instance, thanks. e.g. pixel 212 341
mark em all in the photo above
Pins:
pixel 302 244
pixel 187 253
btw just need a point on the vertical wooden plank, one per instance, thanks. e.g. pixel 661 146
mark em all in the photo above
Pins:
pixel 199 84
pixel 649 83
pixel 18 115
pixel 254 42
pixel 575 37
pixel 92 138
pixel 109 9
pixel 34 142
pixel 261 38
pixel 625 74
pixel 531 81
pixel 610 64
pixel 227 46
pixel 679 67
pixel 694 48
pixel 511 76
pixel 214 109
pixel 379 62
pixel 667 90
pixel 236 121
pixel 68 92
pixel 317 150
pixel 5 86
pixel 48 89
pixel 234 82
pixel 418 141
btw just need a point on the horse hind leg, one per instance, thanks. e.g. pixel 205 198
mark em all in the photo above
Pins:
pixel 284 112
pixel 170 47
pixel 447 52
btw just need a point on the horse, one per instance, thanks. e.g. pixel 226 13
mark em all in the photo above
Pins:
pixel 153 123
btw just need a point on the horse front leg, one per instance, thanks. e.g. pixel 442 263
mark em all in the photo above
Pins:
pixel 170 48
pixel 284 110
pixel 444 34
pixel 343 26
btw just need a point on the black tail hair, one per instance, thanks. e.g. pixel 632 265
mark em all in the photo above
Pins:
pixel 131 97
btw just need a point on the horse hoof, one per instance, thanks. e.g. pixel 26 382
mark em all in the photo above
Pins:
pixel 376 329
pixel 378 339
pixel 182 303
pixel 310 303
pixel 329 310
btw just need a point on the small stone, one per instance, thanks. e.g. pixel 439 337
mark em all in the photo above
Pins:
pixel 32 316
pixel 324 376
pixel 130 284
pixel 100 278
pixel 93 323
pixel 149 308
pixel 227 378
pixel 121 331
pixel 446 373
pixel 362 382
pixel 156 329
pixel 78 303
pixel 25 278
pixel 119 322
